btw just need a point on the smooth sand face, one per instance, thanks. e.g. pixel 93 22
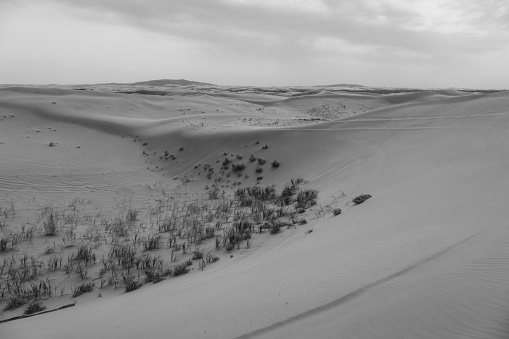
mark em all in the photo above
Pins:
pixel 426 256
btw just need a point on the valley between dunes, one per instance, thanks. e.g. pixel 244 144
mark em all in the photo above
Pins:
pixel 427 256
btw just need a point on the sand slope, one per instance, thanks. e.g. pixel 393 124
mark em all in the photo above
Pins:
pixel 426 257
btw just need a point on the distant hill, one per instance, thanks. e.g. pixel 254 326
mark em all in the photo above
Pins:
pixel 342 85
pixel 163 82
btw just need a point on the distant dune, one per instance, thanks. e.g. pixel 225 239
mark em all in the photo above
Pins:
pixel 165 82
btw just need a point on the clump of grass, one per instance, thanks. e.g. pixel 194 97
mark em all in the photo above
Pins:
pixel 14 302
pixel 275 229
pixel 83 288
pixel 226 163
pixel 152 242
pixel 131 284
pixel 50 226
pixel 306 198
pixel 337 211
pixel 275 164
pixel 197 254
pixel 81 271
pixel 181 268
pixel 84 254
pixel 258 169
pixel 238 167
pixel 252 158
pixel 34 306
pixel 211 258
pixel 361 198
pixel 261 161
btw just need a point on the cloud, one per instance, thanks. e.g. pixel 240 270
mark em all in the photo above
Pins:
pixel 239 40
pixel 283 28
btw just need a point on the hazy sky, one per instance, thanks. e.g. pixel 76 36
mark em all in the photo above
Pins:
pixel 418 43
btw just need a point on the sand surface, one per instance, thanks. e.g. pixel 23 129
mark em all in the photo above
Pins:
pixel 426 257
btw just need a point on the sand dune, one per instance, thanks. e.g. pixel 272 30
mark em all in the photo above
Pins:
pixel 425 257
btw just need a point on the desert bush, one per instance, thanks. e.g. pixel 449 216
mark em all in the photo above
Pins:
pixel 131 284
pixel 211 258
pixel 261 161
pixel 81 271
pixel 213 193
pixel 4 244
pixel 275 164
pixel 238 167
pixel 361 198
pixel 276 228
pixel 252 158
pixel 155 276
pixel 306 198
pixel 34 306
pixel 132 215
pixel 258 169
pixel 197 254
pixel 152 242
pixel 337 211
pixel 83 288
pixel 14 302
pixel 181 268
pixel 226 163
pixel 50 226
pixel 84 254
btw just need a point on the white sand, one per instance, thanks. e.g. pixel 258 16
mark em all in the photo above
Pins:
pixel 426 257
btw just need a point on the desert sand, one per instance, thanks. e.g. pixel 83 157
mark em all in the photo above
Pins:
pixel 426 256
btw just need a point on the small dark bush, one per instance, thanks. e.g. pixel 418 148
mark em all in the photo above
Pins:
pixel 131 284
pixel 50 226
pixel 14 303
pixel 261 161
pixel 34 306
pixel 197 254
pixel 361 198
pixel 83 288
pixel 154 276
pixel 306 198
pixel 181 268
pixel 302 221
pixel 337 211
pixel 252 158
pixel 275 164
pixel 275 229
pixel 265 147
pixel 238 167
pixel 152 242
pixel 259 170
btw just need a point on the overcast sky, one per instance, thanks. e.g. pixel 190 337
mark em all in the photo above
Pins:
pixel 407 43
